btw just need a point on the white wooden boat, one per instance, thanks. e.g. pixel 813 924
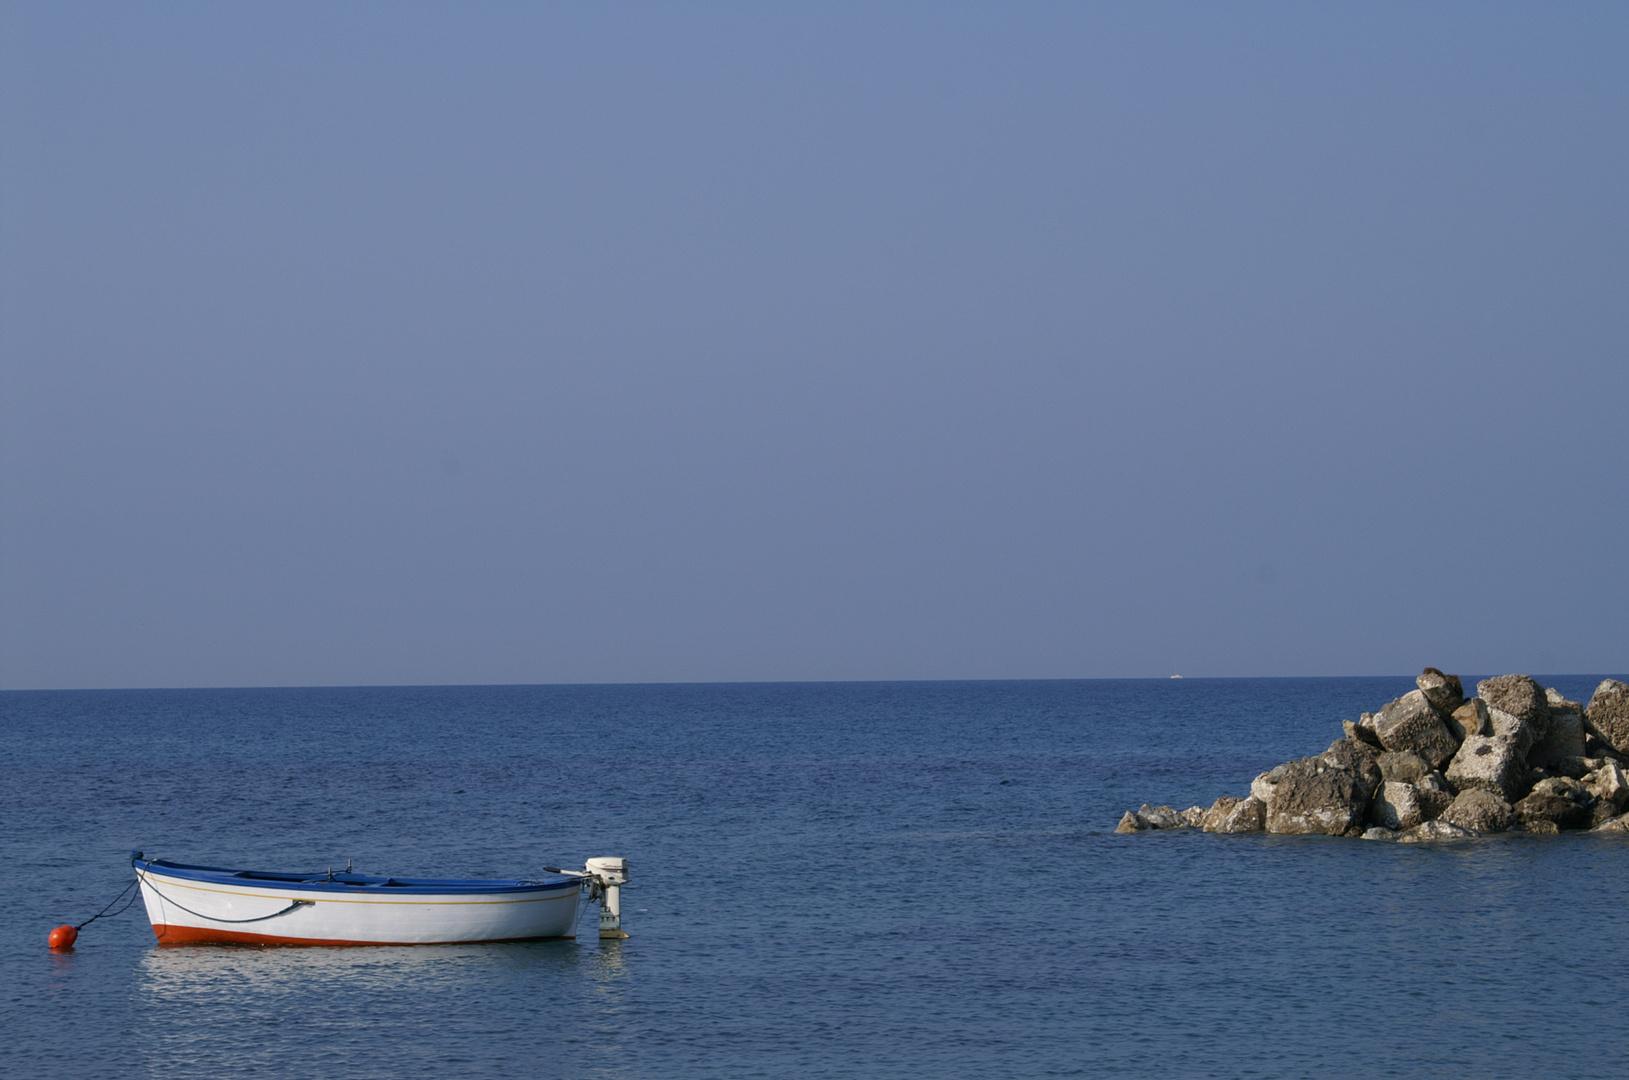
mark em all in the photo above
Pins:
pixel 192 905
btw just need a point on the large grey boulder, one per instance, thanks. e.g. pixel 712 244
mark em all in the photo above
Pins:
pixel 1491 763
pixel 1513 729
pixel 1609 784
pixel 1434 781
pixel 1130 823
pixel 1443 691
pixel 1560 801
pixel 1519 696
pixel 1412 723
pixel 1619 824
pixel 1396 806
pixel 1563 734
pixel 1432 831
pixel 1563 739
pixel 1564 786
pixel 1575 767
pixel 1479 811
pixel 1555 699
pixel 1366 724
pixel 1360 733
pixel 1433 794
pixel 1403 765
pixel 1230 815
pixel 1608 714
pixel 1358 758
pixel 1147 817
pixel 1161 817
pixel 1312 797
pixel 1262 786
pixel 1193 816
pixel 1469 719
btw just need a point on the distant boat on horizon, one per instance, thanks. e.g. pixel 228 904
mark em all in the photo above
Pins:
pixel 1176 676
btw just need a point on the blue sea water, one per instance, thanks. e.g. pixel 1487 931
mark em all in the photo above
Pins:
pixel 829 880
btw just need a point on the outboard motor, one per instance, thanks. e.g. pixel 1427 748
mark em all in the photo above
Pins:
pixel 608 876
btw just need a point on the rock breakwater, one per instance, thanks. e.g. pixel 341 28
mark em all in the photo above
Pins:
pixel 1435 765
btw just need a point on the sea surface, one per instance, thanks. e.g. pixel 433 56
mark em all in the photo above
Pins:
pixel 829 880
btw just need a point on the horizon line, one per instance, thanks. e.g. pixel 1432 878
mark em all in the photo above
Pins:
pixel 737 682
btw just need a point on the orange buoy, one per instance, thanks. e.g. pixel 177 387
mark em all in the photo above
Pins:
pixel 63 937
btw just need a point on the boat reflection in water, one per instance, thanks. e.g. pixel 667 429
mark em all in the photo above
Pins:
pixel 277 1011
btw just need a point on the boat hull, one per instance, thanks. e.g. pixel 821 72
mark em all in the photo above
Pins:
pixel 187 909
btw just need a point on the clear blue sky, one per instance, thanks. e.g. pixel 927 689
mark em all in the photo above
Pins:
pixel 385 343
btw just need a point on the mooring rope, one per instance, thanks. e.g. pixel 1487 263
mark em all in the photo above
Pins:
pixel 104 911
pixel 142 874
pixel 582 909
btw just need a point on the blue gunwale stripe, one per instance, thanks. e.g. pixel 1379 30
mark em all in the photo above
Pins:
pixel 356 884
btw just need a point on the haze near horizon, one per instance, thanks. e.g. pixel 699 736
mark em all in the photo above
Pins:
pixel 388 344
